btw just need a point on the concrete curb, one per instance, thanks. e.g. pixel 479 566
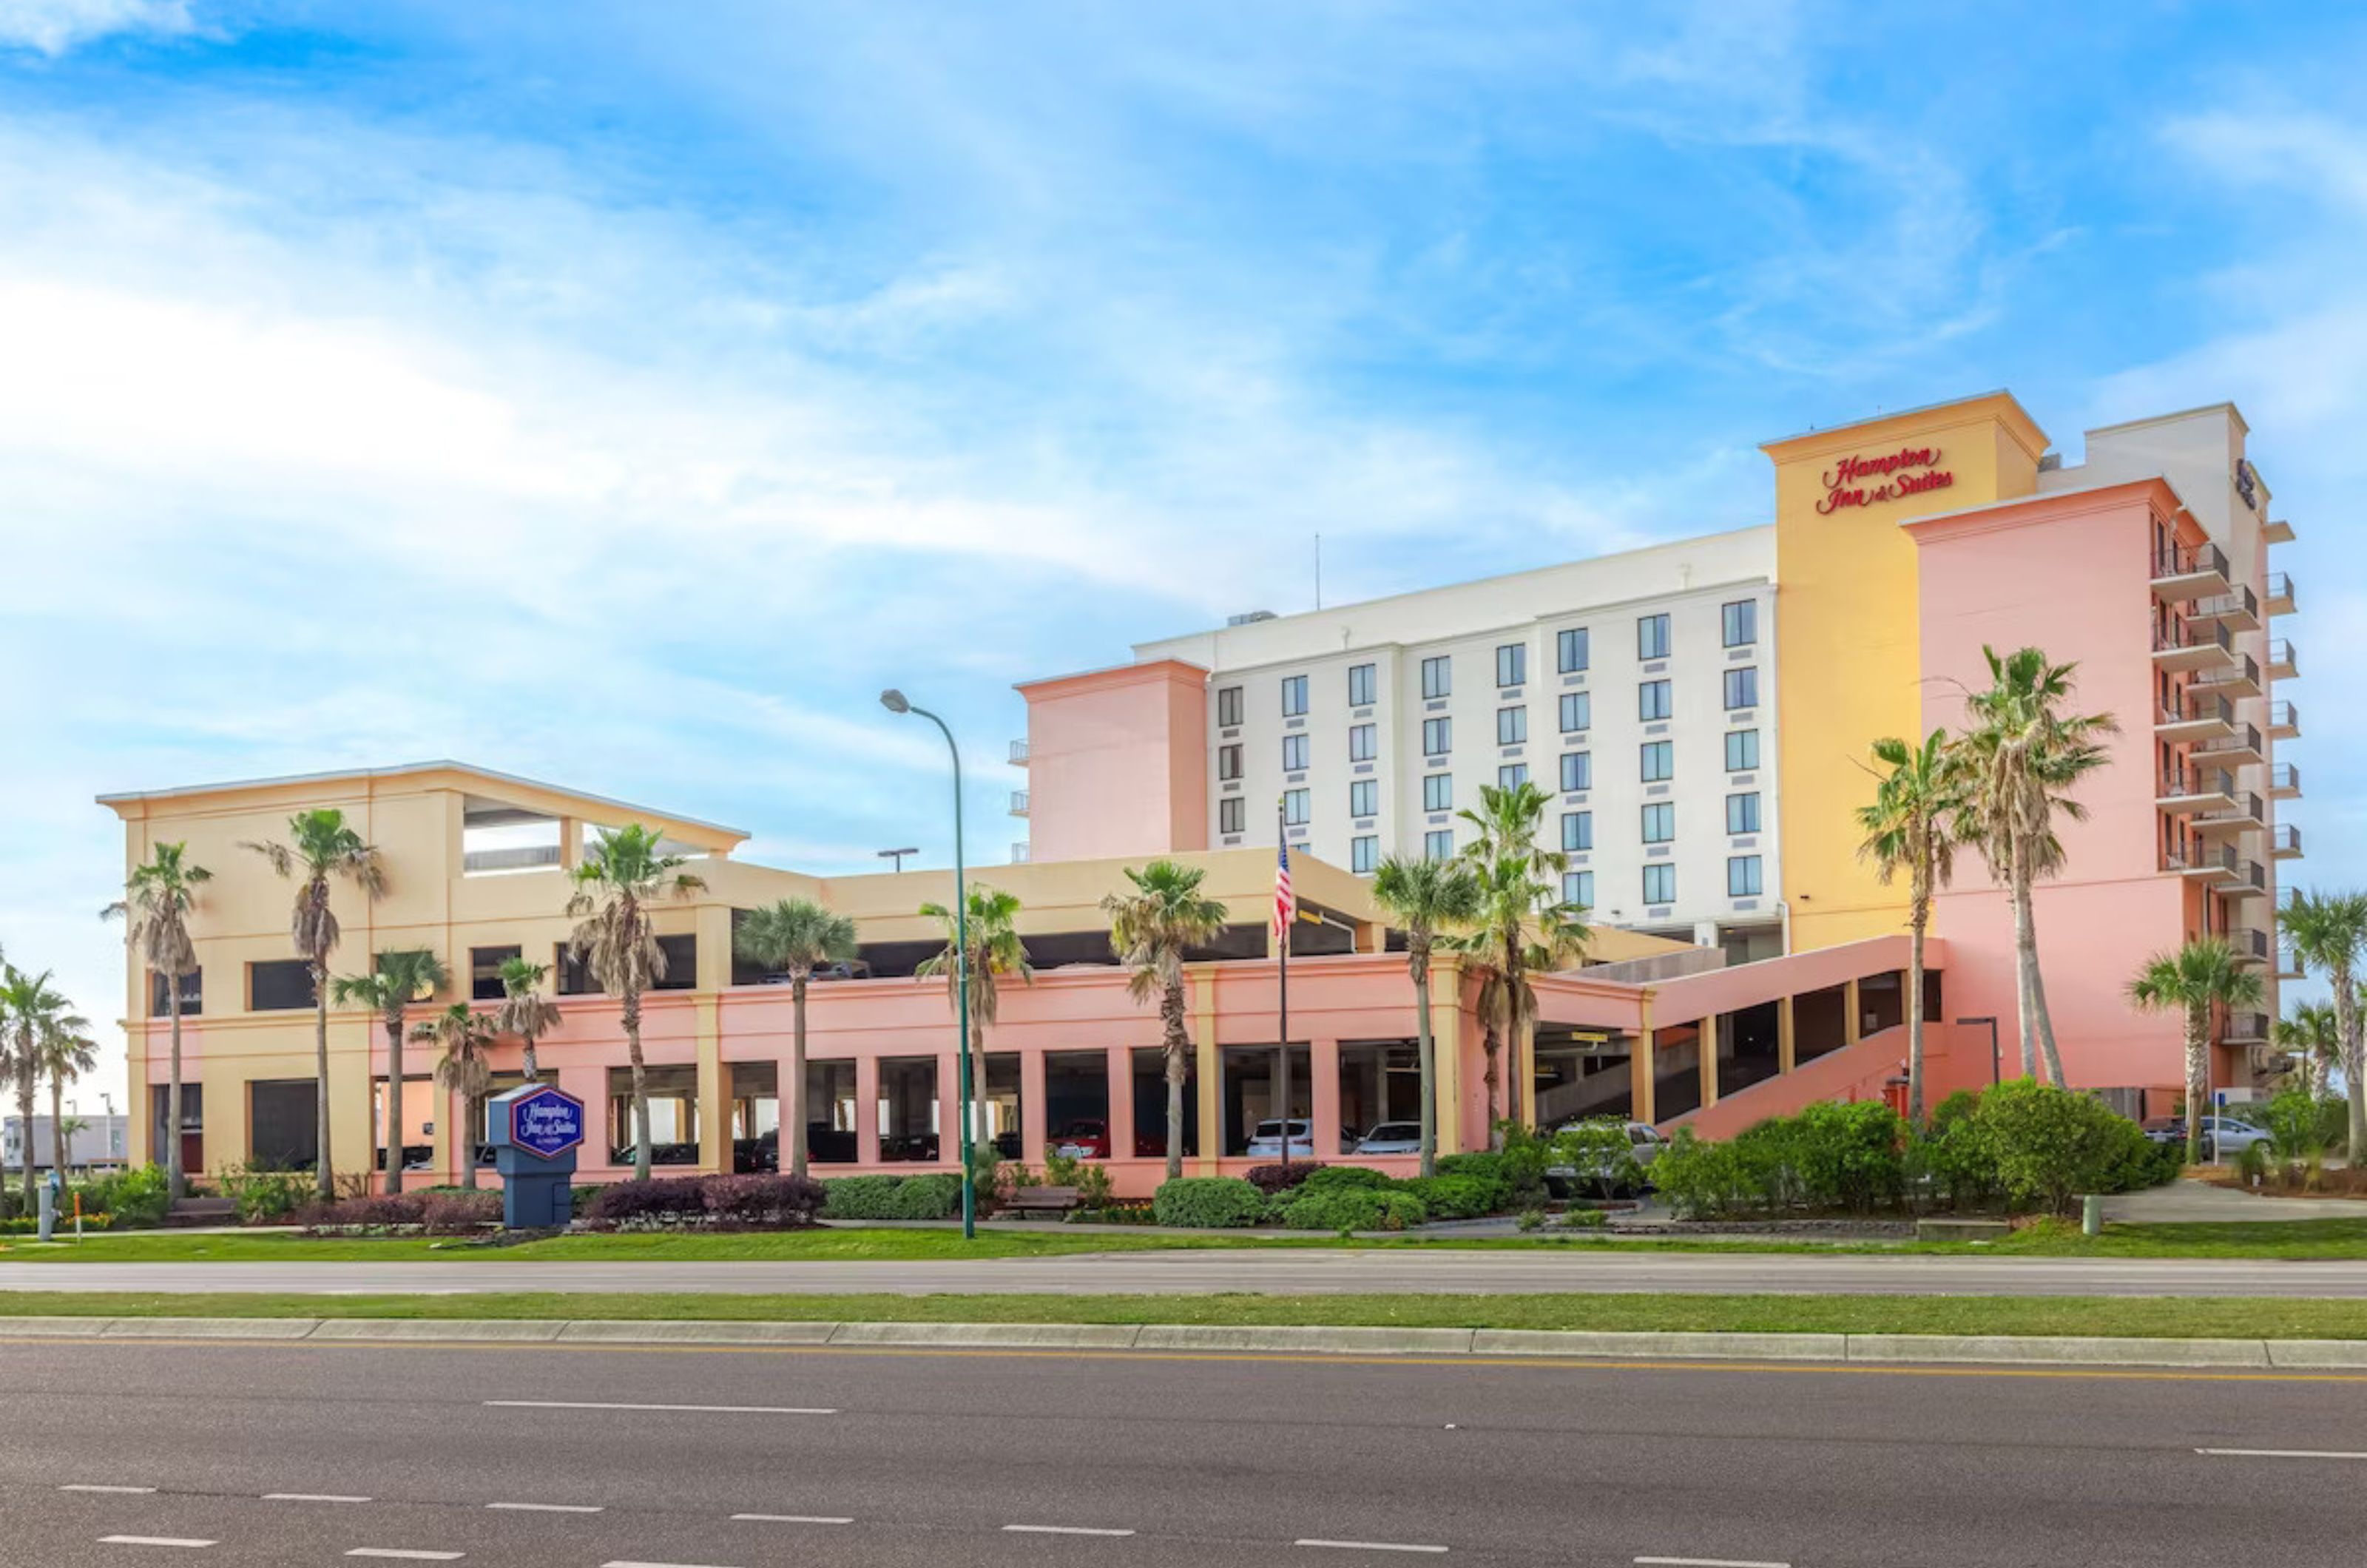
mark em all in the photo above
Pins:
pixel 1869 1350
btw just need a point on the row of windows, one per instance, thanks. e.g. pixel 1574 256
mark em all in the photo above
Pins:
pixel 285 984
pixel 1656 765
pixel 1571 654
pixel 1577 716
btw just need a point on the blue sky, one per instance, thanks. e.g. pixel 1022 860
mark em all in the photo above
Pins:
pixel 621 393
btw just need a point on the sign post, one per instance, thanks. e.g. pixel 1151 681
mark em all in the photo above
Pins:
pixel 535 1129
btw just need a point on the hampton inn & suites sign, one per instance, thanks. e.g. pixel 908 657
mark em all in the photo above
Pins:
pixel 1864 481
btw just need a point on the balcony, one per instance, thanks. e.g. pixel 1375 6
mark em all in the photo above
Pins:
pixel 2190 644
pixel 2251 945
pixel 1019 852
pixel 2240 748
pixel 2280 595
pixel 2190 571
pixel 1019 803
pixel 2282 665
pixel 2284 722
pixel 2238 609
pixel 2209 719
pixel 2247 879
pixel 2238 679
pixel 2184 789
pixel 2284 782
pixel 2284 842
pixel 2288 964
pixel 2201 862
pixel 2245 814
pixel 2277 531
pixel 2246 1029
pixel 1019 753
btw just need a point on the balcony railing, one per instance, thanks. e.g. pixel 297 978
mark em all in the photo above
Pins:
pixel 2200 712
pixel 2246 1029
pixel 1019 803
pixel 1019 851
pixel 1019 753
pixel 2244 746
pixel 2284 720
pixel 2247 812
pixel 2246 879
pixel 2190 560
pixel 2192 636
pixel 2282 664
pixel 2284 781
pixel 2241 678
pixel 2185 781
pixel 2199 861
pixel 2284 841
pixel 2239 608
pixel 2251 945
pixel 2280 594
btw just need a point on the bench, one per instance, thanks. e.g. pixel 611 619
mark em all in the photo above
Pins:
pixel 1043 1201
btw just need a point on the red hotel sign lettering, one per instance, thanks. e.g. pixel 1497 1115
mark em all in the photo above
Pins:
pixel 1916 469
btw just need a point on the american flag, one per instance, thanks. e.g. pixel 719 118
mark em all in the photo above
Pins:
pixel 1285 907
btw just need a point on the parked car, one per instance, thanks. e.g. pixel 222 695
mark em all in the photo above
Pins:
pixel 1643 1139
pixel 1082 1139
pixel 1266 1141
pixel 1386 1138
pixel 2221 1136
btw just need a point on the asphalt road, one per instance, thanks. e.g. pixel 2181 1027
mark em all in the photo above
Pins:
pixel 1264 1269
pixel 313 1454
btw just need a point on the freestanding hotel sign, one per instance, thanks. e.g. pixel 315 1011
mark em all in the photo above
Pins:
pixel 535 1129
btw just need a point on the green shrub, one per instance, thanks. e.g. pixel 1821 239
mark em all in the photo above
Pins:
pixel 1213 1202
pixel 138 1197
pixel 1585 1220
pixel 266 1197
pixel 32 1224
pixel 2300 1124
pixel 1705 1180
pixel 860 1197
pixel 1452 1197
pixel 933 1197
pixel 1350 1209
pixel 1523 1160
pixel 1600 1157
pixel 1531 1219
pixel 1489 1169
pixel 2053 1144
pixel 1957 1155
pixel 1847 1156
pixel 1337 1178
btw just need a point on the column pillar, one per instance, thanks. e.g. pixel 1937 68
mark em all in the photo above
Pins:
pixel 1035 1130
pixel 1786 1042
pixel 714 1088
pixel 1642 1072
pixel 1851 1021
pixel 866 1109
pixel 948 1111
pixel 1323 1099
pixel 1709 1060
pixel 1206 1062
pixel 1446 1054
pixel 1119 1065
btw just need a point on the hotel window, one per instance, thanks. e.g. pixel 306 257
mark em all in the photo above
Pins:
pixel 575 977
pixel 1512 664
pixel 1651 636
pixel 1362 745
pixel 1360 685
pixel 1232 816
pixel 1660 882
pixel 1569 649
pixel 1229 706
pixel 1577 831
pixel 1652 699
pixel 1742 813
pixel 1741 751
pixel 1660 761
pixel 1741 619
pixel 193 994
pixel 1437 737
pixel 1293 696
pixel 278 985
pixel 1439 845
pixel 1294 807
pixel 681 964
pixel 485 972
pixel 1363 853
pixel 1577 711
pixel 1364 797
pixel 1437 676
pixel 1512 776
pixel 1229 761
pixel 1293 752
pixel 1511 725
pixel 1742 687
pixel 1578 888
pixel 1577 770
pixel 1742 876
pixel 1438 791
pixel 1659 822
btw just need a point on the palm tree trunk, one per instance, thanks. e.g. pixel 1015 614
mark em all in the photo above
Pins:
pixel 793 1102
pixel 972 1112
pixel 1921 917
pixel 57 1125
pixel 1427 1051
pixel 1171 1013
pixel 532 1067
pixel 2198 1046
pixel 471 1118
pixel 2347 1040
pixel 25 1109
pixel 2045 1020
pixel 393 1106
pixel 1491 1043
pixel 176 1178
pixel 2025 961
pixel 323 1179
pixel 632 1010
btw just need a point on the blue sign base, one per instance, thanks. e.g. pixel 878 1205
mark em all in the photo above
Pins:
pixel 537 1193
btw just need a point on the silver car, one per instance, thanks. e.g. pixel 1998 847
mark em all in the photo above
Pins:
pixel 1387 1138
pixel 1643 1138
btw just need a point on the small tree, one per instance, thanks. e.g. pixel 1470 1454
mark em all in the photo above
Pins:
pixel 155 907
pixel 2197 977
pixel 1909 827
pixel 794 937
pixel 33 1016
pixel 1521 927
pixel 2312 1035
pixel 621 876
pixel 1426 898
pixel 1152 929
pixel 2328 931
pixel 66 1056
pixel 402 978
pixel 995 950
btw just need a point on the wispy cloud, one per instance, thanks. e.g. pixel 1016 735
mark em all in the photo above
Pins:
pixel 54 27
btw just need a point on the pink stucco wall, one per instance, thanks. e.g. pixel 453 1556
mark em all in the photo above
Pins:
pixel 1117 762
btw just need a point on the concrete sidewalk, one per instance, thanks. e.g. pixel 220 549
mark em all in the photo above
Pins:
pixel 2200 1203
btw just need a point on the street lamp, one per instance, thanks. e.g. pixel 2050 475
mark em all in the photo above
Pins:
pixel 894 702
pixel 897 856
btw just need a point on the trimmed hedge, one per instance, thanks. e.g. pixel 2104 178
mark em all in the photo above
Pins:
pixel 935 1196
pixel 1271 1180
pixel 1336 1178
pixel 1452 1197
pixel 1352 1207
pixel 1214 1203
pixel 658 1200
pixel 439 1213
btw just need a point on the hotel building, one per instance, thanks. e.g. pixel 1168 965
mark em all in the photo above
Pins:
pixel 1699 714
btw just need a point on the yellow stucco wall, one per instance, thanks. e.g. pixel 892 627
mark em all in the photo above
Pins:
pixel 1846 632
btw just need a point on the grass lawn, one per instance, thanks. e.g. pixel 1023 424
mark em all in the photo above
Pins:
pixel 2293 1239
pixel 2225 1318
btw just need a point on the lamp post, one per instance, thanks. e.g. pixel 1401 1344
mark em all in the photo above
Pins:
pixel 894 702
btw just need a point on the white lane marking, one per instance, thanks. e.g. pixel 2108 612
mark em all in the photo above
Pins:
pixel 311 1497
pixel 1710 1562
pixel 1061 1529
pixel 795 1519
pixel 2280 1453
pixel 129 1491
pixel 150 1540
pixel 547 1508
pixel 406 1554
pixel 1370 1545
pixel 621 1563
pixel 694 1410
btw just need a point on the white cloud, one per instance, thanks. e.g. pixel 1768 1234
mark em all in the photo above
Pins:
pixel 54 27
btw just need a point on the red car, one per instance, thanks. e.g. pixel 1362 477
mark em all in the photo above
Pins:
pixel 1082 1139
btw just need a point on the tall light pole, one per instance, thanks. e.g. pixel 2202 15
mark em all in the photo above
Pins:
pixel 893 701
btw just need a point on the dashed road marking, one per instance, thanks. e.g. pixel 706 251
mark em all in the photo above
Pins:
pixel 795 1519
pixel 311 1497
pixel 124 1491
pixel 2280 1453
pixel 1709 1562
pixel 1061 1530
pixel 1371 1546
pixel 406 1554
pixel 547 1507
pixel 693 1409
pixel 152 1540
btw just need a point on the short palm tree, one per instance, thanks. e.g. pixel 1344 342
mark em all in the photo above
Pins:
pixel 403 977
pixel 1910 827
pixel 322 849
pixel 1426 898
pixel 1152 929
pixel 2311 1034
pixel 2191 981
pixel 66 1055
pixel 155 908
pixel 620 875
pixel 995 950
pixel 2328 931
pixel 2021 756
pixel 1522 926
pixel 795 937
pixel 525 1010
pixel 33 1014
pixel 463 1071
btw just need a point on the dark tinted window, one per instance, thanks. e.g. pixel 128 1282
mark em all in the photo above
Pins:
pixel 279 985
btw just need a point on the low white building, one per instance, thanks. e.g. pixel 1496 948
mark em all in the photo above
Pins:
pixel 97 1141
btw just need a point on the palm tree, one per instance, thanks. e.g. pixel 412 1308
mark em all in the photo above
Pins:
pixel 401 980
pixel 1523 925
pixel 1908 827
pixel 2330 930
pixel 794 937
pixel 994 950
pixel 155 910
pixel 619 877
pixel 2313 1037
pixel 322 850
pixel 66 1054
pixel 2022 757
pixel 2199 975
pixel 465 1035
pixel 525 1010
pixel 1152 929
pixel 1425 897
pixel 33 1014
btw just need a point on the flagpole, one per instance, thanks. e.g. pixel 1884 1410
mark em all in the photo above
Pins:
pixel 1283 920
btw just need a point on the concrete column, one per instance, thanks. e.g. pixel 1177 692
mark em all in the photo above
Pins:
pixel 1851 1021
pixel 1323 1101
pixel 1034 1130
pixel 1446 1050
pixel 1206 1062
pixel 1785 1042
pixel 866 1109
pixel 714 1087
pixel 949 1111
pixel 1640 1076
pixel 1709 1061
pixel 1120 1065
